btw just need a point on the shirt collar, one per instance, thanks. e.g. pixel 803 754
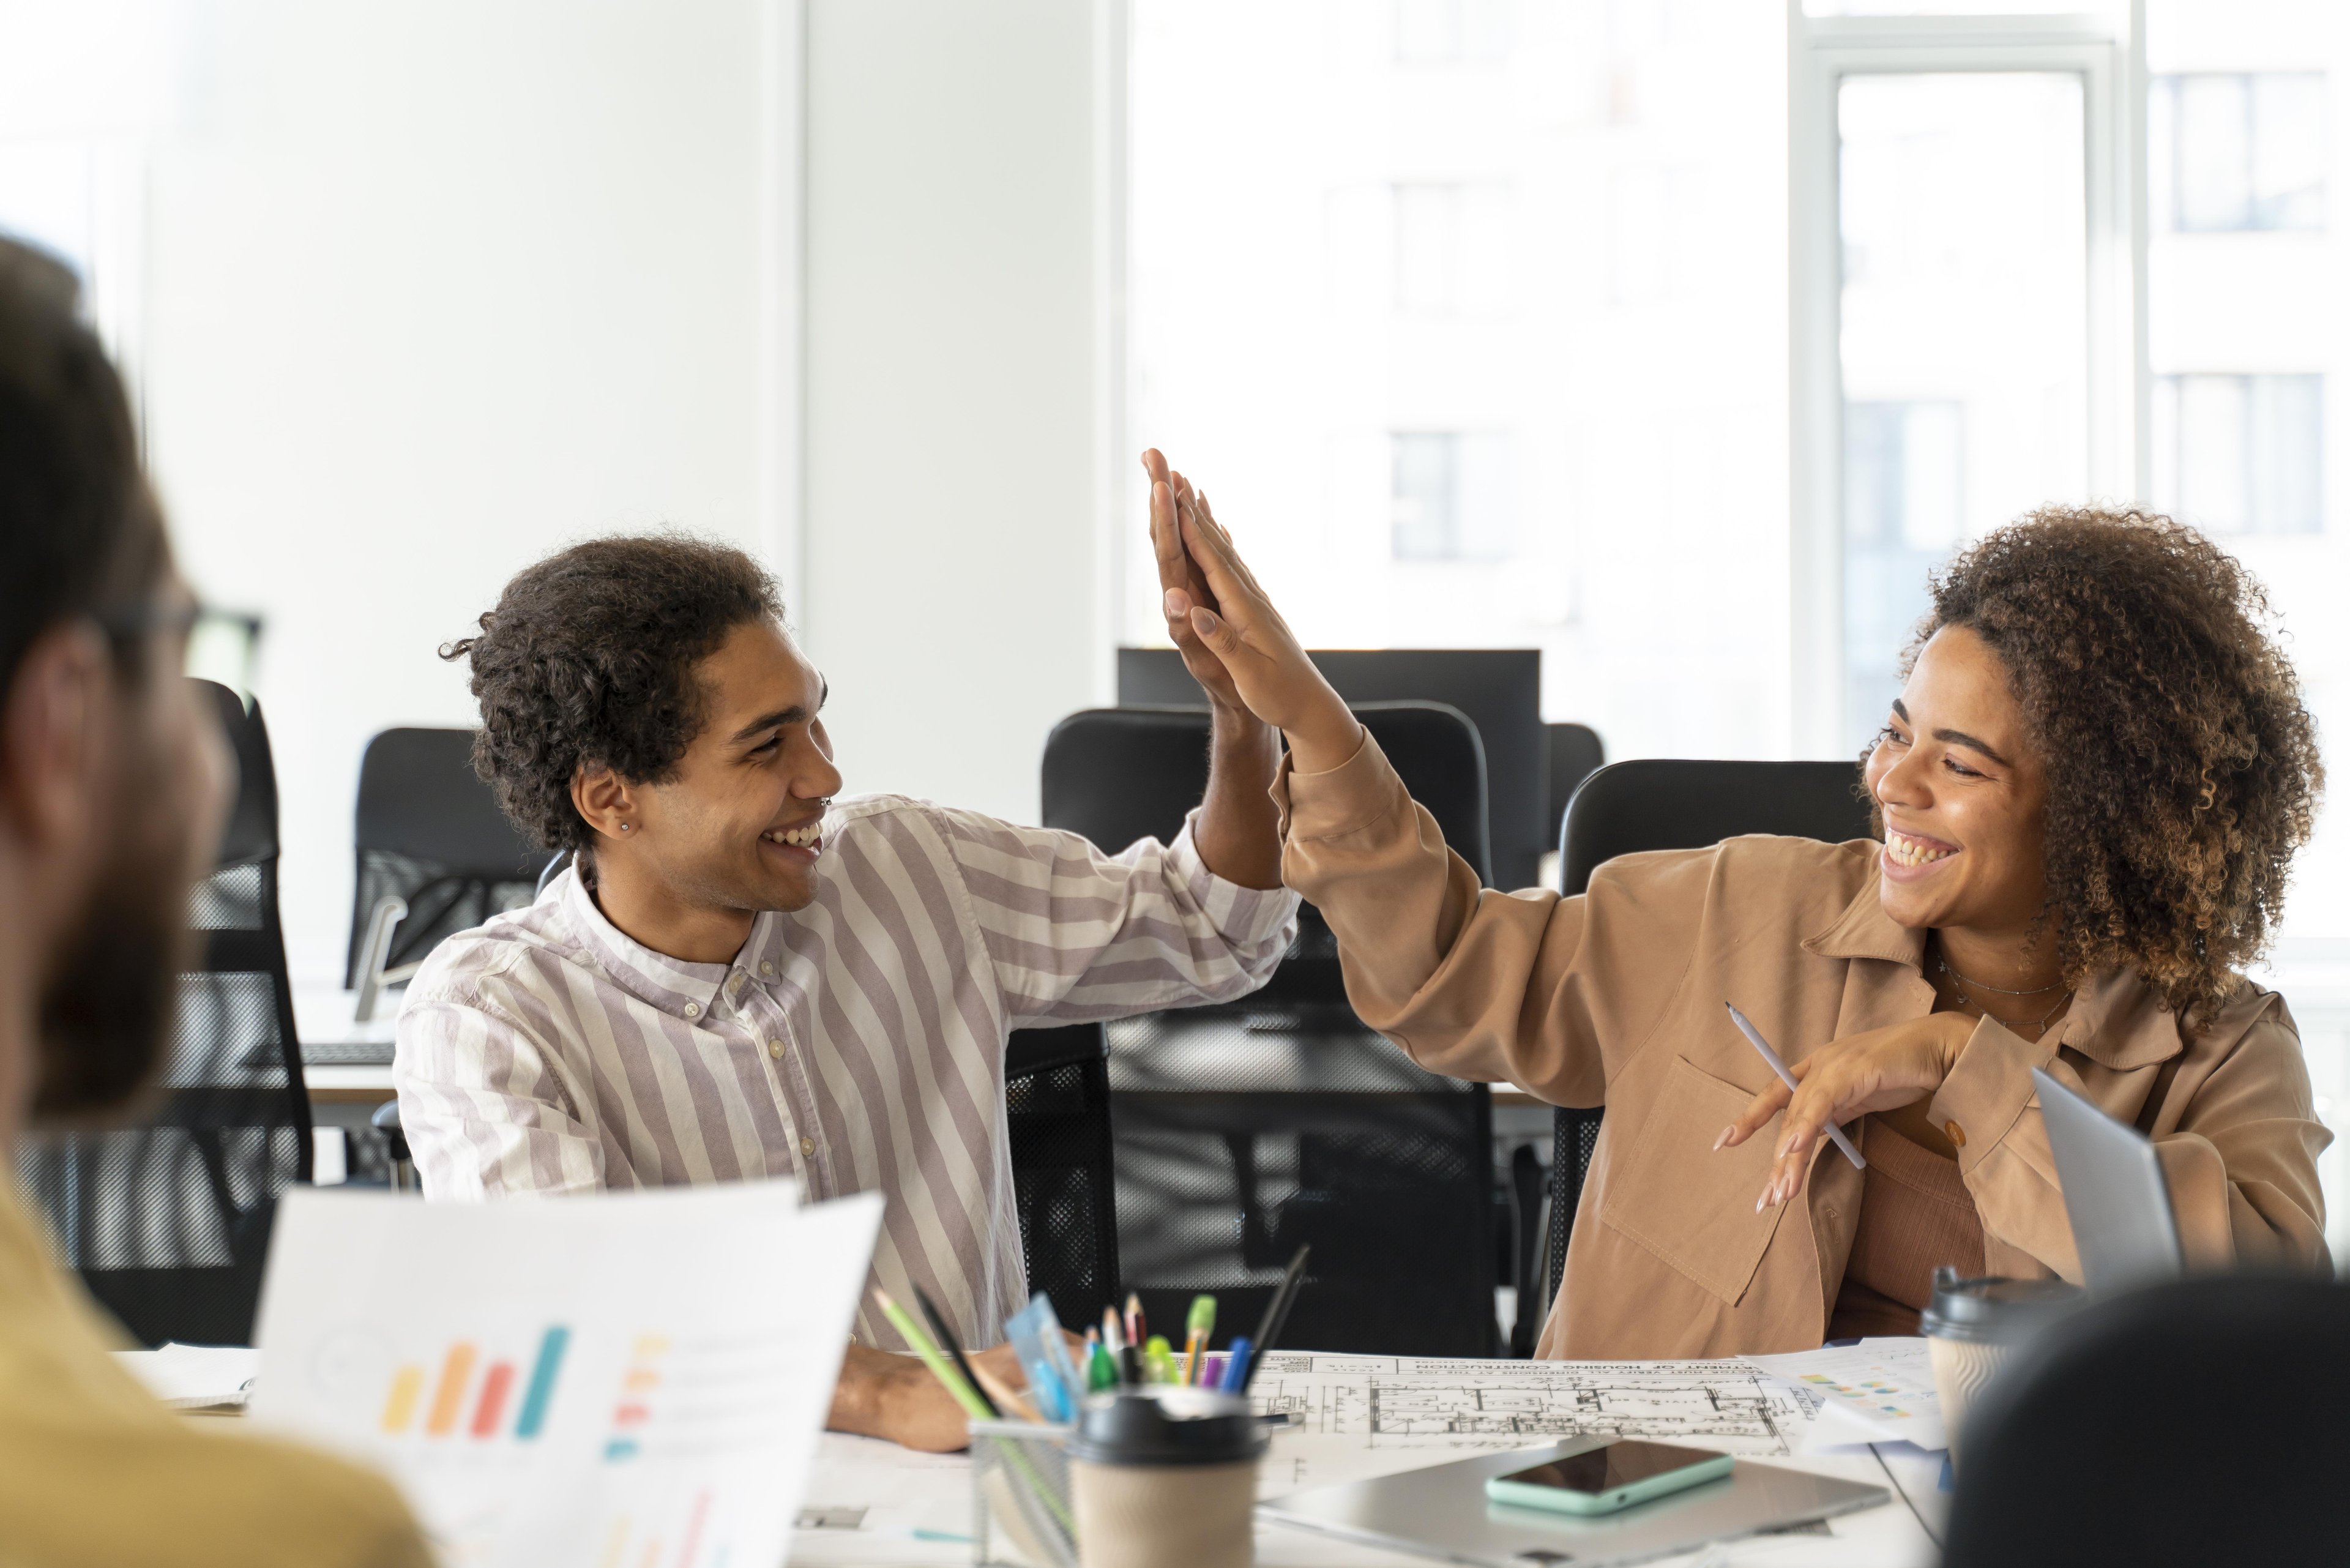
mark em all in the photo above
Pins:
pixel 673 985
pixel 2116 1019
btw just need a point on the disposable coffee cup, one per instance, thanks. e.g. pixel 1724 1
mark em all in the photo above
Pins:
pixel 1165 1476
pixel 1973 1326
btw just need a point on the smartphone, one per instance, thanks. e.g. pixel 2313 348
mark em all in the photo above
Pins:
pixel 1603 1479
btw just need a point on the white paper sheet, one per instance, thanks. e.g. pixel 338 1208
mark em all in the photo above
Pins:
pixel 193 1377
pixel 1882 1387
pixel 626 1378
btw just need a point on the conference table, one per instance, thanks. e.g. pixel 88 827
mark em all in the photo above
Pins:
pixel 870 1504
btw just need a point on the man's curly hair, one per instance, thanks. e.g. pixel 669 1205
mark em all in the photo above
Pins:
pixel 587 660
pixel 2182 767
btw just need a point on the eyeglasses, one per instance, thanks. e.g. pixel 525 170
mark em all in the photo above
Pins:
pixel 223 645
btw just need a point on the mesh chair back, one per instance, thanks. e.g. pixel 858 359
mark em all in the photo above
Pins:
pixel 430 833
pixel 2199 1421
pixel 1056 1103
pixel 1659 803
pixel 168 1223
pixel 1244 1132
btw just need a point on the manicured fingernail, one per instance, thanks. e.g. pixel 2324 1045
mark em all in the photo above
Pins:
pixel 1725 1135
pixel 1761 1201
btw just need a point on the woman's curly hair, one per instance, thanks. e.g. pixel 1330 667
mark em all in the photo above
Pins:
pixel 587 660
pixel 2182 767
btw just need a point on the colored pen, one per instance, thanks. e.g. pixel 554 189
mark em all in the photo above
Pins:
pixel 1754 1038
pixel 974 1404
pixel 953 1348
pixel 1138 1328
pixel 1158 1360
pixel 1236 1366
pixel 1101 1370
pixel 1200 1324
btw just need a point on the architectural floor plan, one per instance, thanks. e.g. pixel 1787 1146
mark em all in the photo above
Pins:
pixel 1406 1402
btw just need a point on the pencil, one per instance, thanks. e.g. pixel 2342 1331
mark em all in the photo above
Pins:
pixel 973 1403
pixel 1754 1038
pixel 952 1346
pixel 1200 1324
pixel 1276 1316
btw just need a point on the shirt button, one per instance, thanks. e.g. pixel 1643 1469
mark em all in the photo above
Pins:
pixel 735 981
pixel 765 968
pixel 693 1010
pixel 1957 1133
pixel 807 1147
pixel 776 1049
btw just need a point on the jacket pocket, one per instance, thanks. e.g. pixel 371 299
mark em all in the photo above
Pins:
pixel 1689 1204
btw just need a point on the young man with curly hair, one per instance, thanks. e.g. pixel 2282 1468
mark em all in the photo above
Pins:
pixel 743 973
pixel 113 786
pixel 2089 790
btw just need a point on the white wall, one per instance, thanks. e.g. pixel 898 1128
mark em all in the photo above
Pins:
pixel 954 595
pixel 433 287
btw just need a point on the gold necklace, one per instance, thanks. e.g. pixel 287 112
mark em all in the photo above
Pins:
pixel 1958 984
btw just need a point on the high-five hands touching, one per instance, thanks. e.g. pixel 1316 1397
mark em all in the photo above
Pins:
pixel 1231 637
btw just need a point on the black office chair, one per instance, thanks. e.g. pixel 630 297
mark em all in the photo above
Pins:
pixel 1064 1177
pixel 1661 803
pixel 168 1220
pixel 2199 1421
pixel 435 855
pixel 1576 754
pixel 1244 1131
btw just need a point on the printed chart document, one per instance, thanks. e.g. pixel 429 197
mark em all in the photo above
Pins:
pixel 193 1377
pixel 619 1378
pixel 1878 1391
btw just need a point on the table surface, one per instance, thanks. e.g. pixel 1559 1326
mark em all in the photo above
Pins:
pixel 913 1511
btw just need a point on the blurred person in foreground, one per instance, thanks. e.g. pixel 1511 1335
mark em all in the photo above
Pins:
pixel 743 974
pixel 113 786
pixel 2088 794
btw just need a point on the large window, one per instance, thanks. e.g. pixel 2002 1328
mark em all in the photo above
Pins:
pixel 1469 316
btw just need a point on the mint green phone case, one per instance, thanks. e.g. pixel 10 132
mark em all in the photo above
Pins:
pixel 1559 1500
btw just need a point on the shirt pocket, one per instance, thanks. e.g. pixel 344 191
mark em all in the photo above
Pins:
pixel 1688 1203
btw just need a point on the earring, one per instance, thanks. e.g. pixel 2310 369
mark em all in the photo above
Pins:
pixel 624 827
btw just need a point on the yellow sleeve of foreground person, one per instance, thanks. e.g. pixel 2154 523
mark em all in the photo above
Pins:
pixel 94 1473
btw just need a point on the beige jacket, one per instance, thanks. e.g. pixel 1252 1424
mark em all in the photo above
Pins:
pixel 1615 998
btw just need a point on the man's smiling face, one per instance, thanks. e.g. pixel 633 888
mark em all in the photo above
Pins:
pixel 739 823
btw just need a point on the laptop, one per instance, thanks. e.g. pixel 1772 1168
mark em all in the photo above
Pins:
pixel 2114 1193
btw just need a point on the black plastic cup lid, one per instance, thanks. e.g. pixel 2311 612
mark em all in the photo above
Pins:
pixel 1166 1424
pixel 1993 1310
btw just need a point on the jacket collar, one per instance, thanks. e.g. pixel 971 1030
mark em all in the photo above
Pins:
pixel 2116 1019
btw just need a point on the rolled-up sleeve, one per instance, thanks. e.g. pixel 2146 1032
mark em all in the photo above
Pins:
pixel 1550 993
pixel 1075 935
pixel 483 1109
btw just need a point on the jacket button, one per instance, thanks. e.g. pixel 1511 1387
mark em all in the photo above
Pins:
pixel 1957 1133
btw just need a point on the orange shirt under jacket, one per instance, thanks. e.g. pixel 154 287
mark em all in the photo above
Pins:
pixel 1615 998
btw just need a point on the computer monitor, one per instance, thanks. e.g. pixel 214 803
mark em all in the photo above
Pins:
pixel 1498 688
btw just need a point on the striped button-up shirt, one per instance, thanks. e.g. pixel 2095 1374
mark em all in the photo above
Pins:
pixel 854 1045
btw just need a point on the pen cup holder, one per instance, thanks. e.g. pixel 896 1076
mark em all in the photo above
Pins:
pixel 1021 1513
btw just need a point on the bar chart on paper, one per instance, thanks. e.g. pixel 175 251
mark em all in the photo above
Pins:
pixel 607 1383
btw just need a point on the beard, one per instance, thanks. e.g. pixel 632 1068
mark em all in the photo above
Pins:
pixel 109 993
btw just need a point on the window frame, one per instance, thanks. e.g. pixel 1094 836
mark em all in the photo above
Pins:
pixel 2107 54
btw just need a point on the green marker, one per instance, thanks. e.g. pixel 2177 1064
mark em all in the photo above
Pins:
pixel 1199 1326
pixel 1158 1360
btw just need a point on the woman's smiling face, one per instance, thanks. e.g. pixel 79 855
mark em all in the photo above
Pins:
pixel 1962 794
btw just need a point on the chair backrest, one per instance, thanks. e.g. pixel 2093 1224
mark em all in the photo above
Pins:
pixel 1116 774
pixel 428 831
pixel 1662 803
pixel 168 1221
pixel 1576 754
pixel 1057 1104
pixel 2199 1421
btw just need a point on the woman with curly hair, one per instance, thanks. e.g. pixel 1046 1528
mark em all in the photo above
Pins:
pixel 2088 796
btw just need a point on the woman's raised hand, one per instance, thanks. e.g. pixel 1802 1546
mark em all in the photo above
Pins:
pixel 1230 637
